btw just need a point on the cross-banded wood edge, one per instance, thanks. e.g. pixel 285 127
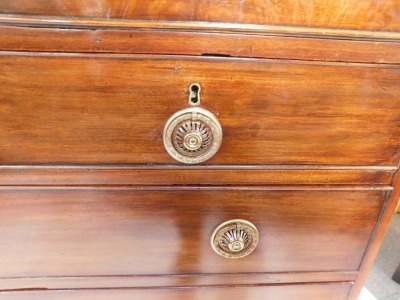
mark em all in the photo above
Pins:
pixel 92 282
pixel 62 22
pixel 195 175
pixel 184 38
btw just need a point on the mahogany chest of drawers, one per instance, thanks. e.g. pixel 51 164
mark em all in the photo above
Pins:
pixel 239 150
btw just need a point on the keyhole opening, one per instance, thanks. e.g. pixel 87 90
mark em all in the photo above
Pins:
pixel 194 94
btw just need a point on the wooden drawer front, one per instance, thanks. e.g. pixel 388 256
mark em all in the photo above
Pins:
pixel 56 232
pixel 112 109
pixel 346 14
pixel 291 292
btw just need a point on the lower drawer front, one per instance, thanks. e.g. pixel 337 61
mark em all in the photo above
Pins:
pixel 289 292
pixel 58 232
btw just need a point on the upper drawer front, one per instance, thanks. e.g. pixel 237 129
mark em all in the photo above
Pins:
pixel 112 109
pixel 347 14
pixel 56 232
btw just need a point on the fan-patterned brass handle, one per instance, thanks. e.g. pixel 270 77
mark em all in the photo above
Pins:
pixel 192 135
pixel 235 238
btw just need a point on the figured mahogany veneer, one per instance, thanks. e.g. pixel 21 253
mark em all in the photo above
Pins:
pixel 343 14
pixel 51 232
pixel 91 109
pixel 92 205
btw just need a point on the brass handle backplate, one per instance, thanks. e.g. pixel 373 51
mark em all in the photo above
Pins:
pixel 192 135
pixel 235 238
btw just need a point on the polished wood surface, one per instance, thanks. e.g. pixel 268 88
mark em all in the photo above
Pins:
pixel 182 41
pixel 91 204
pixel 346 14
pixel 286 292
pixel 168 281
pixel 97 232
pixel 379 234
pixel 104 109
pixel 193 175
pixel 197 27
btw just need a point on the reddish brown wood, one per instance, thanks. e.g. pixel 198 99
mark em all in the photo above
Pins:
pixel 288 292
pixel 199 43
pixel 91 205
pixel 125 24
pixel 353 14
pixel 222 188
pixel 88 175
pixel 132 232
pixel 157 281
pixel 76 109
pixel 379 234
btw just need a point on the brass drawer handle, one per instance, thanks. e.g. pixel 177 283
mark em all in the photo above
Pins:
pixel 235 238
pixel 192 135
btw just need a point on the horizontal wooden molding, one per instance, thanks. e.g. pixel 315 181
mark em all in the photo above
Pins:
pixel 384 188
pixel 196 167
pixel 89 282
pixel 188 42
pixel 193 175
pixel 62 22
pixel 144 56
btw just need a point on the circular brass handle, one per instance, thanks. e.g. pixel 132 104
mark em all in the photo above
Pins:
pixel 192 135
pixel 235 238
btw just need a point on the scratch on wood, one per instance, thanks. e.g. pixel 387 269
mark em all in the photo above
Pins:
pixel 383 88
pixel 128 3
pixel 193 10
pixel 97 40
pixel 60 5
pixel 177 68
pixel 108 13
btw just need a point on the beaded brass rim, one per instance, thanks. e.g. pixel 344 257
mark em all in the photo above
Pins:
pixel 192 135
pixel 235 238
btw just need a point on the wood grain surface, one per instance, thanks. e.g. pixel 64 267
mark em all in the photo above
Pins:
pixel 346 14
pixel 77 109
pixel 204 175
pixel 187 42
pixel 170 281
pixel 97 232
pixel 379 234
pixel 333 291
pixel 208 27
pixel 91 204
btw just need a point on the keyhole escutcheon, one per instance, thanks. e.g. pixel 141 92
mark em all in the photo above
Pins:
pixel 194 94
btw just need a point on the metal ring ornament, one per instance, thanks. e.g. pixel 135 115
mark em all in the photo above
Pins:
pixel 235 238
pixel 192 135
